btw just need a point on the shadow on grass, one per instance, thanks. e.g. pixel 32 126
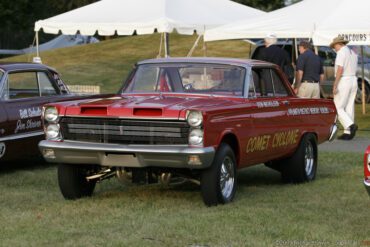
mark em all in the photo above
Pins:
pixel 258 175
pixel 21 165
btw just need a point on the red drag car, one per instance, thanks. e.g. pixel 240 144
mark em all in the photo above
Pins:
pixel 200 118
pixel 367 169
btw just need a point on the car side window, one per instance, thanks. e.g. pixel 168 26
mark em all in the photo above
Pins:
pixel 46 86
pixel 22 85
pixel 279 85
pixel 262 82
pixel 327 56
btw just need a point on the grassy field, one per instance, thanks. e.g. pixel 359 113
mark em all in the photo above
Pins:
pixel 108 63
pixel 331 211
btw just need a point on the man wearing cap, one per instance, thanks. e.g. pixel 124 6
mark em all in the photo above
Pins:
pixel 310 72
pixel 345 86
pixel 276 55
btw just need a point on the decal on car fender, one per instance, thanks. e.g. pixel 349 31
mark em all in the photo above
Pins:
pixel 264 104
pixel 277 140
pixel 29 124
pixel 308 111
pixel 2 149
pixel 30 112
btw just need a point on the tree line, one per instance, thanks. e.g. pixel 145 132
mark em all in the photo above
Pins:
pixel 17 18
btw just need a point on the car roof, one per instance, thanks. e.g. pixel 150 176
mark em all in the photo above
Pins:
pixel 209 60
pixel 10 66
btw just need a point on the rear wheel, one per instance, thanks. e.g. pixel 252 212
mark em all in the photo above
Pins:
pixel 218 182
pixel 72 181
pixel 301 166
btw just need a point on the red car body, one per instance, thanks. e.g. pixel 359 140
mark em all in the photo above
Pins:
pixel 243 124
pixel 367 170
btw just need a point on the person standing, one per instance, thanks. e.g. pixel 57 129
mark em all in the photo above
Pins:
pixel 345 86
pixel 276 55
pixel 310 72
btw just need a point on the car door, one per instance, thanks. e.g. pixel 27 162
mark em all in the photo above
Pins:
pixel 270 98
pixel 24 94
pixel 327 57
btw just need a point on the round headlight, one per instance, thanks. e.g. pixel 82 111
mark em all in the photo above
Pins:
pixel 196 137
pixel 52 132
pixel 51 114
pixel 195 118
pixel 368 162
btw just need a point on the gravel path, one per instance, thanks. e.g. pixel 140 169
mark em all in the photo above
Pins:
pixel 357 145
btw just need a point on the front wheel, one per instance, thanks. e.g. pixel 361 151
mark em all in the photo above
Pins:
pixel 218 182
pixel 301 166
pixel 72 181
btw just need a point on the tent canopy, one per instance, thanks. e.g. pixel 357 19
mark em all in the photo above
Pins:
pixel 350 19
pixel 295 21
pixel 124 17
pixel 316 19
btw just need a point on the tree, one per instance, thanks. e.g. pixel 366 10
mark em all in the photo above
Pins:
pixel 265 5
pixel 18 18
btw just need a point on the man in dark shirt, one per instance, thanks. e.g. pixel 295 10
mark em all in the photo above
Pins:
pixel 276 55
pixel 310 72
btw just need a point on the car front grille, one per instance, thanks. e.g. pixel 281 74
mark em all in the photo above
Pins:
pixel 124 131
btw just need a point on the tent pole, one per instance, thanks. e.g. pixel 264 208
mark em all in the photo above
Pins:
pixel 204 47
pixel 194 46
pixel 37 44
pixel 295 49
pixel 363 81
pixel 166 45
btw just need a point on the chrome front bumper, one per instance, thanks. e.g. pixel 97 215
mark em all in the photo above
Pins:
pixel 105 154
pixel 367 185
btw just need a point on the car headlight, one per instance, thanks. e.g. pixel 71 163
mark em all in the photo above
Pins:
pixel 195 118
pixel 196 137
pixel 52 132
pixel 51 114
pixel 368 162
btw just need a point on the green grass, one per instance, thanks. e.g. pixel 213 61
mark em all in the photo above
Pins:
pixel 363 120
pixel 265 212
pixel 332 211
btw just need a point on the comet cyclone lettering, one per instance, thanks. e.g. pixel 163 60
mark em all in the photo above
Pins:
pixel 264 142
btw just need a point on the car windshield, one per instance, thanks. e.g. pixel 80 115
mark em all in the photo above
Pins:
pixel 1 75
pixel 186 78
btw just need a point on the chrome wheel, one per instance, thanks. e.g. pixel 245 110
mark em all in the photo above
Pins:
pixel 227 177
pixel 309 158
pixel 218 182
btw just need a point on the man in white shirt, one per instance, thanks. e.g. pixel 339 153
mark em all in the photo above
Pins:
pixel 345 86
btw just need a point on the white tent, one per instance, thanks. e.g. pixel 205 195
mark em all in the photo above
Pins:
pixel 316 19
pixel 295 21
pixel 125 17
pixel 350 19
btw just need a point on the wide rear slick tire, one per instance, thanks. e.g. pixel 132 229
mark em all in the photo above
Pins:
pixel 301 166
pixel 73 183
pixel 218 182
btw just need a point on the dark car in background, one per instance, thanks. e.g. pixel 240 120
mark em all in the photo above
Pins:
pixel 328 56
pixel 24 89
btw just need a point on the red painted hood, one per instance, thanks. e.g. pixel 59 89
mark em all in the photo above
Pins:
pixel 145 106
